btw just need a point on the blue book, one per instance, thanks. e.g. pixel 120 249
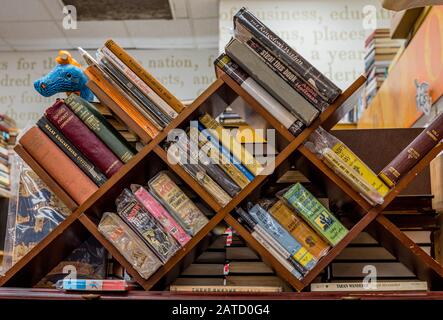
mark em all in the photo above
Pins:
pixel 283 237
pixel 226 152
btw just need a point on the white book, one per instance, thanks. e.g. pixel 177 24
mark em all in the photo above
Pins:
pixel 378 286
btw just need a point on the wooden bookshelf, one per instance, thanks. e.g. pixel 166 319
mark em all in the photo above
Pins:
pixel 85 217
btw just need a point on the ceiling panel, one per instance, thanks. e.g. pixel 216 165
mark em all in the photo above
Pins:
pixel 179 9
pixel 55 8
pixel 92 34
pixel 28 35
pixel 203 9
pixel 23 10
pixel 161 33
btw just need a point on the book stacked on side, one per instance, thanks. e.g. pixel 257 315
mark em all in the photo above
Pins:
pixel 132 93
pixel 214 158
pixel 152 223
pixel 296 229
pixel 380 51
pixel 278 77
pixel 337 156
pixel 77 146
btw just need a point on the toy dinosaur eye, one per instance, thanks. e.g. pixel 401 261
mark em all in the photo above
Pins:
pixel 68 75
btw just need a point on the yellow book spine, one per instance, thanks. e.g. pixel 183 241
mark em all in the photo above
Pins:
pixel 232 145
pixel 359 166
pixel 144 75
pixel 236 175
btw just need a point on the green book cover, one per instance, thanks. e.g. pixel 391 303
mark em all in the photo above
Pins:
pixel 100 126
pixel 315 214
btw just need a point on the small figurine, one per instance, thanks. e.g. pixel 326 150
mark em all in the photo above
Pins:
pixel 67 76
pixel 423 97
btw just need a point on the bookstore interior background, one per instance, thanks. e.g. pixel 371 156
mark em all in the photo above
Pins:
pixel 284 148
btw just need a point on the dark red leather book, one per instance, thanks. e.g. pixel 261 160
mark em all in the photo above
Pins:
pixel 84 139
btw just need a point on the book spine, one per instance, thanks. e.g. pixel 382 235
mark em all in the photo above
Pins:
pixel 225 152
pixel 129 244
pixel 199 174
pixel 413 153
pixel 162 243
pixel 315 214
pixel 360 167
pixel 99 125
pixel 225 289
pixel 214 171
pixel 298 252
pixel 357 182
pixel 287 75
pixel 134 93
pixel 299 230
pixel 145 89
pixel 232 145
pixel 285 263
pixel 233 70
pixel 121 106
pixel 83 138
pixel 380 286
pixel 213 153
pixel 71 151
pixel 277 87
pixel 144 75
pixel 58 165
pixel 178 203
pixel 244 21
pixel 162 216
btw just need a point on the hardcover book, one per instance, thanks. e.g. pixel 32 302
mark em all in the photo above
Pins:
pixel 58 165
pixel 71 151
pixel 315 214
pixel 144 224
pixel 100 126
pixel 270 225
pixel 233 70
pixel 299 229
pixel 159 213
pixel 83 138
pixel 276 86
pixel 129 244
pixel 178 204
pixel 414 152
pixel 246 24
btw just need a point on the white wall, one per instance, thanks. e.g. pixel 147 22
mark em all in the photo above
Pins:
pixel 330 34
pixel 186 73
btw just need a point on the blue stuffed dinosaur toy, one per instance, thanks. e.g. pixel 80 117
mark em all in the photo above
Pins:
pixel 67 76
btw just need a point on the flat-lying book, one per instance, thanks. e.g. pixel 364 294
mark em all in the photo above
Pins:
pixel 376 286
pixel 216 288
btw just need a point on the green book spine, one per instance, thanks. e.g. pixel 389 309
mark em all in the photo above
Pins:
pixel 71 151
pixel 315 214
pixel 100 126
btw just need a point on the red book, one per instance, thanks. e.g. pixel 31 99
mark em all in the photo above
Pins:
pixel 58 165
pixel 84 139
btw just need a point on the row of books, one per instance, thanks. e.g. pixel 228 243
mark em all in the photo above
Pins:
pixel 296 228
pixel 77 146
pixel 152 223
pixel 278 77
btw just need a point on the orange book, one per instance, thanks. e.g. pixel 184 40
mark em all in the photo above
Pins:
pixel 144 75
pixel 58 165
pixel 128 113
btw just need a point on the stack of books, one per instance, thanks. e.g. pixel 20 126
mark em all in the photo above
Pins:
pixel 214 158
pixel 229 118
pixel 380 51
pixel 296 228
pixel 152 223
pixel 278 77
pixel 78 146
pixel 8 132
